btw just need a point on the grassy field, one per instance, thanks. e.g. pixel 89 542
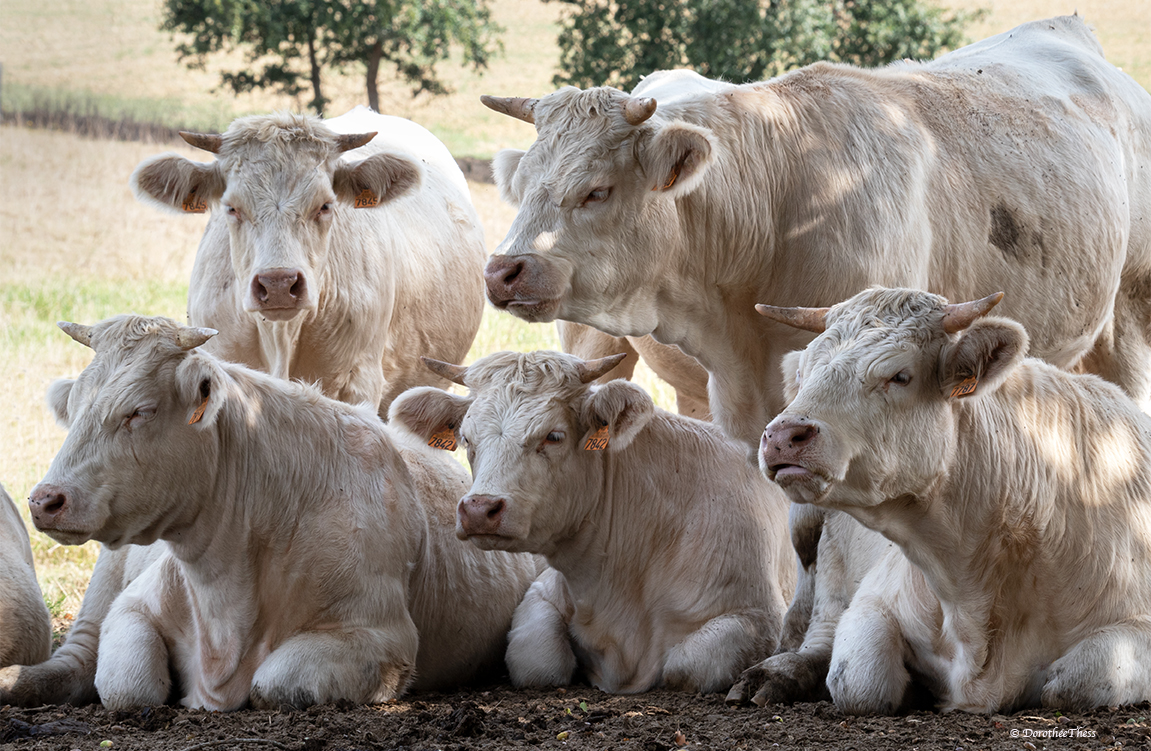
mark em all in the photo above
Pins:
pixel 74 244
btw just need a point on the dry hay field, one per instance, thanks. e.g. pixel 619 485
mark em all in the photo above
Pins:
pixel 74 245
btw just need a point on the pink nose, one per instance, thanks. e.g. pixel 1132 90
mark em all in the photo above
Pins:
pixel 277 289
pixel 787 439
pixel 481 514
pixel 503 275
pixel 47 504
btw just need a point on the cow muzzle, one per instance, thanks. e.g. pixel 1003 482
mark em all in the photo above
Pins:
pixel 521 286
pixel 279 294
pixel 479 515
pixel 49 504
pixel 789 451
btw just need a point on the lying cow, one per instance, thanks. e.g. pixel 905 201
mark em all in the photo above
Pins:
pixel 1018 162
pixel 25 627
pixel 329 249
pixel 308 552
pixel 1019 495
pixel 669 553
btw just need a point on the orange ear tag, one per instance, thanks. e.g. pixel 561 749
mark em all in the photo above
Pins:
pixel 965 388
pixel 597 441
pixel 367 199
pixel 193 204
pixel 445 439
pixel 199 411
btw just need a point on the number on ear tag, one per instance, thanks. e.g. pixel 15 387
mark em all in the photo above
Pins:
pixel 367 199
pixel 965 388
pixel 597 441
pixel 445 439
pixel 194 204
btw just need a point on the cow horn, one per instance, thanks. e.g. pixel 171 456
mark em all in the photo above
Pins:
pixel 959 316
pixel 190 337
pixel 638 109
pixel 349 141
pixel 589 370
pixel 519 107
pixel 206 141
pixel 77 331
pixel 454 373
pixel 808 319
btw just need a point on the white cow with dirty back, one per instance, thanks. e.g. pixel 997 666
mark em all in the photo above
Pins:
pixel 25 627
pixel 1021 162
pixel 669 553
pixel 329 249
pixel 1019 496
pixel 307 553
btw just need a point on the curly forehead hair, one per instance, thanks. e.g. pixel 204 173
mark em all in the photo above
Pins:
pixel 526 372
pixel 595 113
pixel 304 133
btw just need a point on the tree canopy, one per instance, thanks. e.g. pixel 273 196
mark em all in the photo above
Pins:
pixel 288 43
pixel 616 42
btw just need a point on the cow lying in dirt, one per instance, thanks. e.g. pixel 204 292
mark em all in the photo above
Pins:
pixel 307 550
pixel 670 557
pixel 1019 495
pixel 25 628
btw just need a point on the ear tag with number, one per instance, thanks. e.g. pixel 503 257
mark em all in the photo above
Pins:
pixel 597 441
pixel 194 204
pixel 199 411
pixel 445 439
pixel 965 388
pixel 367 199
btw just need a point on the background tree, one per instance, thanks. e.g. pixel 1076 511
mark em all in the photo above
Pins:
pixel 616 42
pixel 288 43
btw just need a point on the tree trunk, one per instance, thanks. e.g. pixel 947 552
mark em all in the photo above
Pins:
pixel 318 100
pixel 373 71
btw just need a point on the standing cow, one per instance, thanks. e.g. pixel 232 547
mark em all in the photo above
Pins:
pixel 25 627
pixel 1020 162
pixel 308 551
pixel 1019 495
pixel 669 553
pixel 329 249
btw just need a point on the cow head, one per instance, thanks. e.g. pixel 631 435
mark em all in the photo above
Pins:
pixel 873 397
pixel 597 211
pixel 283 185
pixel 537 432
pixel 141 445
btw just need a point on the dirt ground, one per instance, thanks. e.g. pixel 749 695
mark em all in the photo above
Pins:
pixel 575 718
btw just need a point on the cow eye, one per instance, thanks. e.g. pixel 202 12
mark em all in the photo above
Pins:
pixel 325 210
pixel 234 212
pixel 902 378
pixel 137 417
pixel 599 195
pixel 555 437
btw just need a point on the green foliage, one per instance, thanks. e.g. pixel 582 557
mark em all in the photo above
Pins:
pixel 616 42
pixel 288 43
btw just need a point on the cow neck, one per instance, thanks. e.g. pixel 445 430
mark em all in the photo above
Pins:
pixel 582 552
pixel 279 344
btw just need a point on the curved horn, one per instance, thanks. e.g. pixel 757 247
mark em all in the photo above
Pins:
pixel 808 319
pixel 959 316
pixel 589 370
pixel 638 109
pixel 77 331
pixel 189 337
pixel 519 107
pixel 349 141
pixel 454 373
pixel 206 141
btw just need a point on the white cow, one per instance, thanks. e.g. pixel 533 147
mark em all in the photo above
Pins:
pixel 25 626
pixel 328 252
pixel 669 553
pixel 1020 162
pixel 1019 495
pixel 308 552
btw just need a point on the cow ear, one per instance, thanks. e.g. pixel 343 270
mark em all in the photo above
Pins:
pixel 676 158
pixel 982 358
pixel 432 415
pixel 790 365
pixel 58 394
pixel 619 406
pixel 376 180
pixel 504 168
pixel 172 183
pixel 200 390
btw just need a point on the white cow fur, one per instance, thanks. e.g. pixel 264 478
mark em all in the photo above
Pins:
pixel 308 550
pixel 1023 511
pixel 25 628
pixel 669 553
pixel 1017 163
pixel 376 276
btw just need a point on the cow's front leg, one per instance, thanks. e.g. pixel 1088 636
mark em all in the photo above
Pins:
pixel 539 648
pixel 361 665
pixel 1107 668
pixel 710 658
pixel 868 674
pixel 133 665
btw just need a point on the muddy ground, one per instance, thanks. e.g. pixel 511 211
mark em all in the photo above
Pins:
pixel 574 718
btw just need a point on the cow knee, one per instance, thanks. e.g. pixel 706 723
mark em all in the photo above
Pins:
pixel 860 684
pixel 709 659
pixel 539 649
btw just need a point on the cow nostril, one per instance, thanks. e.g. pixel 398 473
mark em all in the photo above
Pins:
pixel 803 435
pixel 259 291
pixel 53 503
pixel 513 272
pixel 297 288
pixel 496 509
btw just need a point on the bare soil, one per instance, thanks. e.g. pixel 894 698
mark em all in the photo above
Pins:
pixel 578 717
